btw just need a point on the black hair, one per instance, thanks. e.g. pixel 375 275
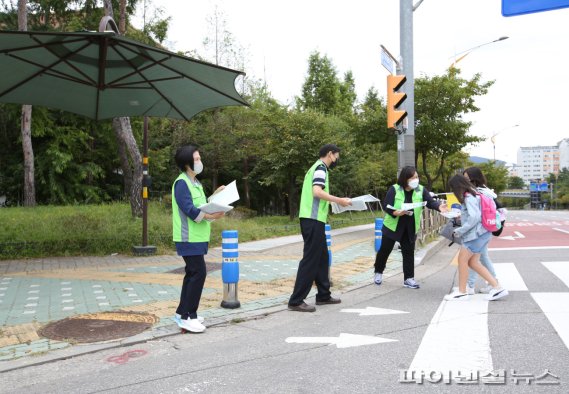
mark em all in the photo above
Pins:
pixel 185 157
pixel 405 174
pixel 459 185
pixel 476 176
pixel 328 148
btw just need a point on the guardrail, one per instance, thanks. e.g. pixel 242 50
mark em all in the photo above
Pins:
pixel 431 222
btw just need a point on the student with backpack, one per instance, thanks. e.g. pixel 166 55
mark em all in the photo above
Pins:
pixel 477 178
pixel 475 237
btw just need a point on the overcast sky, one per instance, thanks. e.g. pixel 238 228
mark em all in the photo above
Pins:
pixel 530 68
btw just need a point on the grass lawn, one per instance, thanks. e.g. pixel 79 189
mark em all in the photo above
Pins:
pixel 105 229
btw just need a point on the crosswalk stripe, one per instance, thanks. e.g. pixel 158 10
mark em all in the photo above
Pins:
pixel 457 338
pixel 509 277
pixel 559 269
pixel 556 307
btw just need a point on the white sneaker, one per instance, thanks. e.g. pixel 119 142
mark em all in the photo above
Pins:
pixel 497 293
pixel 378 278
pixel 178 318
pixel 469 290
pixel 486 289
pixel 192 325
pixel 456 296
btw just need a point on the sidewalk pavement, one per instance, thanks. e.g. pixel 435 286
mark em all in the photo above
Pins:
pixel 39 291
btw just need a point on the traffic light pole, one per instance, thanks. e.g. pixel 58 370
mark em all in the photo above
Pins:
pixel 406 136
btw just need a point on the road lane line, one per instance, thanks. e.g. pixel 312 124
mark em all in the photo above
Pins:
pixel 563 231
pixel 555 306
pixel 510 277
pixel 457 338
pixel 528 248
pixel 559 269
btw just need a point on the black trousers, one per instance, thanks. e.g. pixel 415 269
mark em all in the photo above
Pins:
pixel 192 287
pixel 314 264
pixel 407 251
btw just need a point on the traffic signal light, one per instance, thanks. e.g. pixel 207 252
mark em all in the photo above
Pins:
pixel 394 100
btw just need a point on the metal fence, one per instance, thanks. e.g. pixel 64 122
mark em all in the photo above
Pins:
pixel 431 222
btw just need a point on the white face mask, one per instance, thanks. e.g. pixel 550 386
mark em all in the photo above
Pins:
pixel 413 183
pixel 198 167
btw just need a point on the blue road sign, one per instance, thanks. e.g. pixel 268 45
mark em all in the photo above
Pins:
pixel 520 7
pixel 543 187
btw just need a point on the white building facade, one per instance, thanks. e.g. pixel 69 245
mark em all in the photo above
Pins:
pixel 564 154
pixel 535 163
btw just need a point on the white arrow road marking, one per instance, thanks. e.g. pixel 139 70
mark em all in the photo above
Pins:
pixel 512 238
pixel 342 341
pixel 509 277
pixel 371 311
pixel 563 231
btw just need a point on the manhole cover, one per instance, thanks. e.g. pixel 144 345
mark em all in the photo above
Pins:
pixel 98 327
pixel 208 267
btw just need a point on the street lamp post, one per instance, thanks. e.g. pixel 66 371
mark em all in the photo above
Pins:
pixel 468 51
pixel 493 138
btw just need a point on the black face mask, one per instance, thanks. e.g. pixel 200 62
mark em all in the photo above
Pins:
pixel 334 163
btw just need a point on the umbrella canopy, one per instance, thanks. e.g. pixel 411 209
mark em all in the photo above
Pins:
pixel 104 75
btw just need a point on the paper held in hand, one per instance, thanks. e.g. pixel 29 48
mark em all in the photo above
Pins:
pixel 407 206
pixel 358 204
pixel 220 202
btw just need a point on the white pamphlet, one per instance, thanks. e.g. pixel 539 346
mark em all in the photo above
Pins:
pixel 358 204
pixel 220 201
pixel 407 206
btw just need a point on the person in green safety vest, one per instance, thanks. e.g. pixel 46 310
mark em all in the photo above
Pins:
pixel 400 225
pixel 191 232
pixel 314 204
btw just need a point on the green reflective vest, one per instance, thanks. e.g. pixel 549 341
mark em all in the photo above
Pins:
pixel 311 207
pixel 391 222
pixel 185 229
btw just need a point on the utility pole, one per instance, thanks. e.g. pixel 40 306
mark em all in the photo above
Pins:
pixel 406 140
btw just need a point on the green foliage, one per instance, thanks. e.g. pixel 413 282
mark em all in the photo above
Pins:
pixel 496 176
pixel 440 103
pixel 515 182
pixel 110 228
pixel 322 90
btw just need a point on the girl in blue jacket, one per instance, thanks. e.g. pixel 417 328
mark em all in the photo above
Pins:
pixel 475 239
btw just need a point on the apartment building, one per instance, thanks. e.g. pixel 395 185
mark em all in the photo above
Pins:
pixel 535 163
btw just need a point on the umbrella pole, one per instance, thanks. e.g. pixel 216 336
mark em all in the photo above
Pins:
pixel 145 249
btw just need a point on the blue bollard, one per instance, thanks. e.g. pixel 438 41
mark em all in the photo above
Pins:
pixel 378 233
pixel 230 268
pixel 329 243
pixel 328 230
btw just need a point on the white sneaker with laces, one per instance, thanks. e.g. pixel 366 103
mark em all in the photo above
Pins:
pixel 378 278
pixel 469 290
pixel 497 293
pixel 485 290
pixel 456 296
pixel 178 318
pixel 411 283
pixel 192 325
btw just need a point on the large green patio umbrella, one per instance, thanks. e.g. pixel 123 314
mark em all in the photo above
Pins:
pixel 103 75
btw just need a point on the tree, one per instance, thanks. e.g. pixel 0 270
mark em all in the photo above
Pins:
pixel 129 153
pixel 440 103
pixel 496 176
pixel 515 182
pixel 26 126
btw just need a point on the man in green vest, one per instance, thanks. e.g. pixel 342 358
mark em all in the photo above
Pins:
pixel 314 203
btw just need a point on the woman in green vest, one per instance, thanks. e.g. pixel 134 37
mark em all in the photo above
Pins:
pixel 401 225
pixel 191 231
